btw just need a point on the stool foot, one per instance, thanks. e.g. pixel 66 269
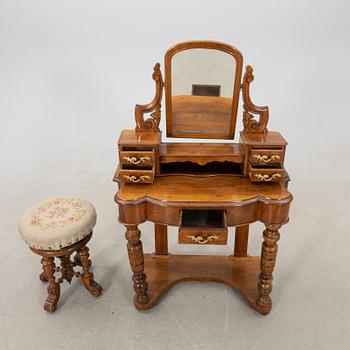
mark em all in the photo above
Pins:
pixel 53 289
pixel 52 299
pixel 87 277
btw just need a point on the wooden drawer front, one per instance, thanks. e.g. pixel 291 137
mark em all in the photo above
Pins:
pixel 266 175
pixel 137 158
pixel 203 236
pixel 137 176
pixel 266 156
pixel 202 227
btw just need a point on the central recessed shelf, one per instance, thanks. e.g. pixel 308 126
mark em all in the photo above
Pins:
pixel 201 153
pixel 203 218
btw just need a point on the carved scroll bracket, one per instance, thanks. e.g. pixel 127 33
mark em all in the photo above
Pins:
pixel 250 124
pixel 151 123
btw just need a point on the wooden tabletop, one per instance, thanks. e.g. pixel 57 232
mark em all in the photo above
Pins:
pixel 213 189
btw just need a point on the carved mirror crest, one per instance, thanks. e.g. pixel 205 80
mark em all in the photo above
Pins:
pixel 202 85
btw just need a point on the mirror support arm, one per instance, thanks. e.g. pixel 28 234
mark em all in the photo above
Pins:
pixel 250 124
pixel 151 123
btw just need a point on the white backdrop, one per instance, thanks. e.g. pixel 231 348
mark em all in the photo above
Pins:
pixel 72 71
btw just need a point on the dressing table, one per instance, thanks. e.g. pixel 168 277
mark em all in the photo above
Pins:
pixel 203 188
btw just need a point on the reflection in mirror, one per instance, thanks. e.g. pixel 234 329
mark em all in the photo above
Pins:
pixel 202 86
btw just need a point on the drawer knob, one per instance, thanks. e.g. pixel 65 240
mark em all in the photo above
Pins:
pixel 133 178
pixel 134 160
pixel 202 240
pixel 266 177
pixel 266 159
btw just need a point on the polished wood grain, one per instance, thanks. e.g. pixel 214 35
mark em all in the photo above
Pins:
pixel 266 157
pixel 132 138
pixel 266 174
pixel 269 139
pixel 267 265
pixel 137 175
pixel 212 189
pixel 137 158
pixel 250 124
pixel 202 236
pixel 161 239
pixel 136 259
pixel 229 49
pixel 202 180
pixel 163 272
pixel 66 270
pixel 195 116
pixel 241 241
pixel 154 107
pixel 201 153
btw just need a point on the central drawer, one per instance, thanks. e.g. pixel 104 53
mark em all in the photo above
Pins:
pixel 202 227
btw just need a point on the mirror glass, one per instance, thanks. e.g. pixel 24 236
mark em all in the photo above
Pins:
pixel 202 87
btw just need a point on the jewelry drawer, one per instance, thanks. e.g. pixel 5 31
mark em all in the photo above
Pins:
pixel 203 227
pixel 266 156
pixel 137 158
pixel 266 174
pixel 142 176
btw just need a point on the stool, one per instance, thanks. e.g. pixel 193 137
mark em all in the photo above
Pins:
pixel 57 228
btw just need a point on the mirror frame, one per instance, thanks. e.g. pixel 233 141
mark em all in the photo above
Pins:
pixel 215 45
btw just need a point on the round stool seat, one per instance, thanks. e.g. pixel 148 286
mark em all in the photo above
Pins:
pixel 57 223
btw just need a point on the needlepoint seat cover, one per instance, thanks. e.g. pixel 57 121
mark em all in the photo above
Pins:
pixel 57 223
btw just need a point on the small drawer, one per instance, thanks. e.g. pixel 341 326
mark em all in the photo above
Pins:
pixel 266 156
pixel 137 176
pixel 137 158
pixel 266 174
pixel 203 227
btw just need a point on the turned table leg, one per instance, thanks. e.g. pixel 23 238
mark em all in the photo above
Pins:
pixel 135 252
pixel 267 264
pixel 53 289
pixel 87 277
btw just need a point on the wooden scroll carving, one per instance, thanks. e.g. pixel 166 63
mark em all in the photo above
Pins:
pixel 152 123
pixel 250 124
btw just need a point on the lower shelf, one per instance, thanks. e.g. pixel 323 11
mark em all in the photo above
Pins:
pixel 164 271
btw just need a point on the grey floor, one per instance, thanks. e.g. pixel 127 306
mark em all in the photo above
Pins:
pixel 311 290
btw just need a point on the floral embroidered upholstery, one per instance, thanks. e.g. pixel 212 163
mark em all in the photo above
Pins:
pixel 57 223
pixel 58 213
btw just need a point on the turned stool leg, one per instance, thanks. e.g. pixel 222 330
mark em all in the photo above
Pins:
pixel 53 288
pixel 87 277
pixel 136 262
pixel 44 275
pixel 66 268
pixel 267 264
pixel 77 259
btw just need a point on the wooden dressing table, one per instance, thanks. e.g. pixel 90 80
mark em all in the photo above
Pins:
pixel 202 188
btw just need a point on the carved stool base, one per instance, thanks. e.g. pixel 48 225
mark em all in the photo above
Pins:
pixel 66 269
